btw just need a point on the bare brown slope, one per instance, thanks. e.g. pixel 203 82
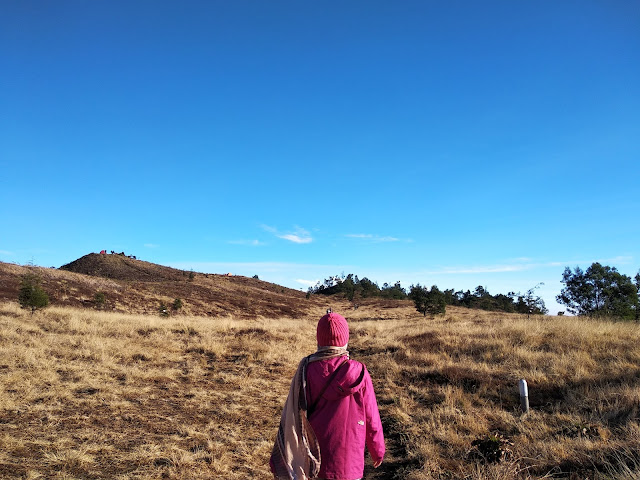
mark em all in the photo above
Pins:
pixel 140 287
pixel 120 267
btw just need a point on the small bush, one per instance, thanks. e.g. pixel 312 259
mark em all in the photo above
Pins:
pixel 162 309
pixel 177 304
pixel 491 448
pixel 31 295
pixel 100 299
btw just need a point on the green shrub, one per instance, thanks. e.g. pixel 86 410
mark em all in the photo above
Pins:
pixel 100 299
pixel 31 295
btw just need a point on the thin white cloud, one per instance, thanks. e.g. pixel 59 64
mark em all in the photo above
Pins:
pixel 481 269
pixel 614 261
pixel 295 238
pixel 522 264
pixel 308 283
pixel 274 266
pixel 6 252
pixel 373 238
pixel 624 260
pixel 269 229
pixel 151 245
pixel 298 235
pixel 250 243
pixel 523 259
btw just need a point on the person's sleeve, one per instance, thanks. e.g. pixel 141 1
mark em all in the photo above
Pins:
pixel 375 435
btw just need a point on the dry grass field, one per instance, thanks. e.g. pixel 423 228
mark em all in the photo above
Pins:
pixel 86 394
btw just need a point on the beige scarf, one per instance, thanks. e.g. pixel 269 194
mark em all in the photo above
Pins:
pixel 296 452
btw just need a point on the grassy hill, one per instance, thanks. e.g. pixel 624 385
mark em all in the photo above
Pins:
pixel 103 395
pixel 135 286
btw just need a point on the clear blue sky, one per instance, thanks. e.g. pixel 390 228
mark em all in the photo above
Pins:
pixel 453 143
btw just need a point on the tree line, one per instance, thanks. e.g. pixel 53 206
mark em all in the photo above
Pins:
pixel 599 291
pixel 430 300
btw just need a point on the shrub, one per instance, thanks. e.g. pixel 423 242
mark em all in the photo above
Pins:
pixel 31 295
pixel 177 304
pixel 427 301
pixel 100 299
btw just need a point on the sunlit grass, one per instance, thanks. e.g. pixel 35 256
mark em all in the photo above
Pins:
pixel 89 394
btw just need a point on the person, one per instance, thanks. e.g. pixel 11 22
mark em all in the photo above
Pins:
pixel 330 414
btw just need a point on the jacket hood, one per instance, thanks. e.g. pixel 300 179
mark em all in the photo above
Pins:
pixel 348 381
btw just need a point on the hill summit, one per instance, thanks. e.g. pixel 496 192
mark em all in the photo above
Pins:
pixel 121 267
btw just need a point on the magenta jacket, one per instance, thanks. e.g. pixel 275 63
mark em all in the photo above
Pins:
pixel 345 419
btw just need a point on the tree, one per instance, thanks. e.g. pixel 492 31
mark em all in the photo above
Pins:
pixel 394 291
pixel 637 279
pixel 31 295
pixel 599 291
pixel 428 301
pixel 177 304
pixel 99 298
pixel 529 303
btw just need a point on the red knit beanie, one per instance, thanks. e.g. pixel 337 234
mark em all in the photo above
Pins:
pixel 333 330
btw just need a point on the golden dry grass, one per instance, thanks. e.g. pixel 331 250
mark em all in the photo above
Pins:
pixel 86 394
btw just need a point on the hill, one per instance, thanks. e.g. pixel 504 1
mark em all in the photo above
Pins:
pixel 136 286
pixel 121 267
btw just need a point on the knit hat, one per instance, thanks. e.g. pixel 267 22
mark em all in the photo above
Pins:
pixel 333 330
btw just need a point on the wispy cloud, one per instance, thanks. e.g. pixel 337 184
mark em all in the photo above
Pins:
pixel 308 283
pixel 6 252
pixel 250 243
pixel 151 245
pixel 613 261
pixel 374 238
pixel 298 235
pixel 624 260
pixel 524 263
pixel 290 270
pixel 481 269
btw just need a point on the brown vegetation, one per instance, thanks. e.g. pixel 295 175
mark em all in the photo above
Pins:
pixel 135 286
pixel 92 394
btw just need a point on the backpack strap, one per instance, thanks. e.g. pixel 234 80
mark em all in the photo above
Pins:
pixel 313 406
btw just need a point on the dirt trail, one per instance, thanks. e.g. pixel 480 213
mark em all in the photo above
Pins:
pixel 396 463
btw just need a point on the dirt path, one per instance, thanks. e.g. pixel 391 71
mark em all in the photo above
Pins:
pixel 396 462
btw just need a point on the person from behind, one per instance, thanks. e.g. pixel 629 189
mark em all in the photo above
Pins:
pixel 331 413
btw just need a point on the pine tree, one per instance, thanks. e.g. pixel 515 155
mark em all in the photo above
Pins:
pixel 31 295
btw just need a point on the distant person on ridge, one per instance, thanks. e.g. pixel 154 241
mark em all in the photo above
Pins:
pixel 330 414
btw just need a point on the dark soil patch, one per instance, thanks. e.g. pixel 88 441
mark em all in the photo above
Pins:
pixel 86 391
pixel 255 333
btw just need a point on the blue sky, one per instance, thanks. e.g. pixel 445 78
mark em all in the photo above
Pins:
pixel 452 143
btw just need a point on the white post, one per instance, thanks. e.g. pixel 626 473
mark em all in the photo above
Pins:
pixel 524 396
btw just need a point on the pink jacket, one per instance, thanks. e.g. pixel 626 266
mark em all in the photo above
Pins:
pixel 345 419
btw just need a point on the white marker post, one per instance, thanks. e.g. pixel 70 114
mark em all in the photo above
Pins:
pixel 524 396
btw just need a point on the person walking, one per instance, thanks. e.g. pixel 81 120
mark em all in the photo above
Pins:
pixel 330 414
